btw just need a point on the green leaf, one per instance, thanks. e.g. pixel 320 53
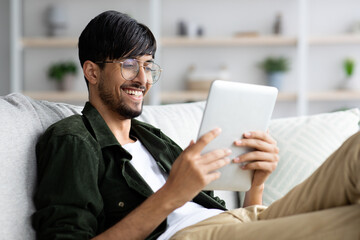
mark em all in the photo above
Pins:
pixel 57 71
pixel 349 66
pixel 273 64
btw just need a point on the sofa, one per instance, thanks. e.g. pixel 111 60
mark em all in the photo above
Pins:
pixel 304 142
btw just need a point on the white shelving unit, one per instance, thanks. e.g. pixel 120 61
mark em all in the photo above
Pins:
pixel 301 43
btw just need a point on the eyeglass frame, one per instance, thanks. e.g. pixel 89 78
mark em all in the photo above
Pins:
pixel 138 61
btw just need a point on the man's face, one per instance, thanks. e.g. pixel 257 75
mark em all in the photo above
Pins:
pixel 120 95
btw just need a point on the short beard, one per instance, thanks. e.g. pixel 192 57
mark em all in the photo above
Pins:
pixel 119 107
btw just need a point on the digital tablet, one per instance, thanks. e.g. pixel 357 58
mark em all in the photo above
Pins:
pixel 236 108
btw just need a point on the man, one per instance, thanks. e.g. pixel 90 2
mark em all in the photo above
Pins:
pixel 104 175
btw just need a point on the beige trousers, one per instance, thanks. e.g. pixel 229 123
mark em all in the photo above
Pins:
pixel 325 206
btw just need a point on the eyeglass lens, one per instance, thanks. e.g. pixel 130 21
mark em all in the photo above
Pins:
pixel 130 69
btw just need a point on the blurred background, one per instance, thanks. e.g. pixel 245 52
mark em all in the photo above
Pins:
pixel 309 50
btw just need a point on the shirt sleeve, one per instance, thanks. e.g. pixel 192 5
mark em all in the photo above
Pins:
pixel 67 198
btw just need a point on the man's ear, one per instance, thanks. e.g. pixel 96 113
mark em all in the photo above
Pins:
pixel 91 72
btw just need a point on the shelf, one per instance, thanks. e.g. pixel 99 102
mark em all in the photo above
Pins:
pixel 228 41
pixel 335 39
pixel 39 42
pixel 340 95
pixel 48 42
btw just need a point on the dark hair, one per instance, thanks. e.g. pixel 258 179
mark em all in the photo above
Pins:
pixel 112 35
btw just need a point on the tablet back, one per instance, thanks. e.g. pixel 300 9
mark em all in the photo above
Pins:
pixel 236 108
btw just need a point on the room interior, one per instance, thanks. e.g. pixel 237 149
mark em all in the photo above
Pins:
pixel 199 41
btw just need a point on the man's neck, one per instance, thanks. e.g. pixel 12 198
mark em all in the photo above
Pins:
pixel 118 125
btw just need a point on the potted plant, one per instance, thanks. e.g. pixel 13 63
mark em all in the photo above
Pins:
pixel 349 67
pixel 350 82
pixel 274 68
pixel 63 74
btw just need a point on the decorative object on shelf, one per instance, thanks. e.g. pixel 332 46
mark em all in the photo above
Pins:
pixel 350 82
pixel 189 29
pixel 63 73
pixel 200 31
pixel 278 25
pixel 275 68
pixel 56 20
pixel 182 29
pixel 355 28
pixel 201 80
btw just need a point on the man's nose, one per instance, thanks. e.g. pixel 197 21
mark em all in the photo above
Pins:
pixel 141 77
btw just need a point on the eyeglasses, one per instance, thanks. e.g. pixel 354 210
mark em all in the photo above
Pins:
pixel 130 69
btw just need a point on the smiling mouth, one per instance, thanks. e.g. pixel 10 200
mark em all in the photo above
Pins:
pixel 136 93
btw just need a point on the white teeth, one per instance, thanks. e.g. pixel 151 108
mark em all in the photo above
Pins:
pixel 133 92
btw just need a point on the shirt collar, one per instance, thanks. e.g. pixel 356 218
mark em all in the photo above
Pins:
pixel 102 132
pixel 142 131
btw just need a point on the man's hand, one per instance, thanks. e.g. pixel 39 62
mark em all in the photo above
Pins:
pixel 263 160
pixel 191 171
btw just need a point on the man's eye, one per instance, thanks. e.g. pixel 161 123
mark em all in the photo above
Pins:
pixel 148 68
pixel 129 65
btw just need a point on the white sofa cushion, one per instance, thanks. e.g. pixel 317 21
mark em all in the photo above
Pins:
pixel 305 143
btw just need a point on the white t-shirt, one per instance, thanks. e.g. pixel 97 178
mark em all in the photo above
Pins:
pixel 189 214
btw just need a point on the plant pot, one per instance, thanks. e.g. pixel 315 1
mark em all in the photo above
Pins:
pixel 275 79
pixel 67 83
pixel 350 83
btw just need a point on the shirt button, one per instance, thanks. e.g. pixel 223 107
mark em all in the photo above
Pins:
pixel 121 204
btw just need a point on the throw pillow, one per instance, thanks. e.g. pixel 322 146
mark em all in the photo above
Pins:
pixel 305 143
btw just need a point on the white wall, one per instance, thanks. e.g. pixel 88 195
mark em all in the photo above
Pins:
pixel 4 48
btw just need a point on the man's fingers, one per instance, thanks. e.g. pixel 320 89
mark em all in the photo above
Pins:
pixel 215 165
pixel 257 144
pixel 214 155
pixel 260 165
pixel 260 135
pixel 205 140
pixel 213 176
pixel 257 156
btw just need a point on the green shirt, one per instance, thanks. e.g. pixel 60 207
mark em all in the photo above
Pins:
pixel 86 183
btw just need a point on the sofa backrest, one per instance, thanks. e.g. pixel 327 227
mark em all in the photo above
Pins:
pixel 22 121
pixel 304 143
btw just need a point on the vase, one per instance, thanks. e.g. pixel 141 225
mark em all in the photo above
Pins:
pixel 56 20
pixel 67 83
pixel 275 79
pixel 350 83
